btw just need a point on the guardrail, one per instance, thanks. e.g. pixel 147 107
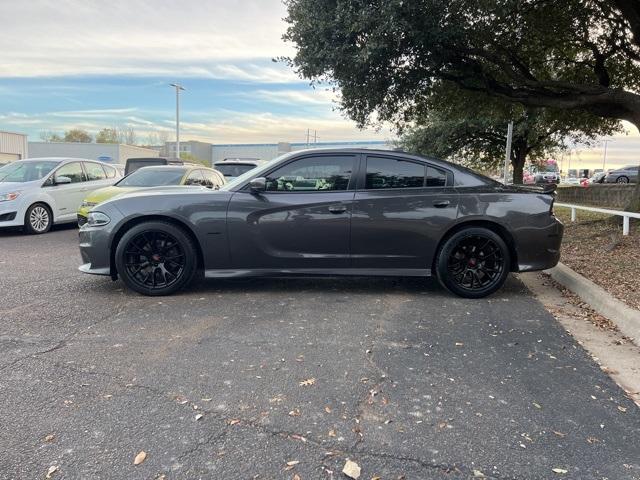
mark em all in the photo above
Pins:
pixel 625 215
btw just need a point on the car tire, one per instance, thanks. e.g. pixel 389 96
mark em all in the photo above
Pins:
pixel 622 179
pixel 156 258
pixel 473 262
pixel 38 219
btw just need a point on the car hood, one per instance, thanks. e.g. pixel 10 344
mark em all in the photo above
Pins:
pixel 104 194
pixel 7 187
pixel 162 199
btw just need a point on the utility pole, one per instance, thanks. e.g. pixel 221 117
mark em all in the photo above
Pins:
pixel 315 137
pixel 507 156
pixel 308 133
pixel 178 87
pixel 604 157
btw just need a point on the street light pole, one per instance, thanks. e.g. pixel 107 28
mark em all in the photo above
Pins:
pixel 604 157
pixel 178 87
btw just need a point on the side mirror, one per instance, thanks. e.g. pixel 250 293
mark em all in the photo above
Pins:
pixel 62 180
pixel 258 184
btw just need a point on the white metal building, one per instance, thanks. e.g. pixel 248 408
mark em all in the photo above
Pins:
pixel 106 152
pixel 13 146
pixel 269 151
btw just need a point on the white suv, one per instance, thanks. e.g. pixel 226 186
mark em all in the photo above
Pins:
pixel 36 193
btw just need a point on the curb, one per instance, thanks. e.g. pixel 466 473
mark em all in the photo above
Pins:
pixel 627 319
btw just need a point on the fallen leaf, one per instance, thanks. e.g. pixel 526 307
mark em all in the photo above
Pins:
pixel 559 470
pixel 207 399
pixel 199 416
pixel 140 457
pixel 560 434
pixel 292 463
pixel 478 474
pixel 537 405
pixel 351 469
pixel 592 440
pixel 296 477
pixel 52 469
pixel 299 437
pixel 327 409
pixel 294 413
pixel 307 382
pixel 622 409
pixel 233 421
pixel 49 438
pixel 332 433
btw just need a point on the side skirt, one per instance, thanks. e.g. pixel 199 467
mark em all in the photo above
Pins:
pixel 294 272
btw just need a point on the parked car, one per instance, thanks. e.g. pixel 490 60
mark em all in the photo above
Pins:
pixel 37 193
pixel 146 177
pixel 328 212
pixel 133 164
pixel 546 174
pixel 595 178
pixel 234 167
pixel 623 175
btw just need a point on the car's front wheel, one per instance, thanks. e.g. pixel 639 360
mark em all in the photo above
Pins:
pixel 38 219
pixel 156 258
pixel 473 262
pixel 622 179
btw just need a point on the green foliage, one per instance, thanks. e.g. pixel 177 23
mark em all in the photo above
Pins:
pixel 107 135
pixel 386 56
pixel 471 128
pixel 77 135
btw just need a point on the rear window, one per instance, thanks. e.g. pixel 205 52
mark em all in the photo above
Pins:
pixel 234 169
pixel 153 178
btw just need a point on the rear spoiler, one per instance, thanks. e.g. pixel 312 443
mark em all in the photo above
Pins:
pixel 549 188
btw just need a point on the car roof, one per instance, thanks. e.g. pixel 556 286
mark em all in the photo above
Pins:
pixel 63 159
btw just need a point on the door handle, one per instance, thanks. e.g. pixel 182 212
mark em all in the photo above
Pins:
pixel 338 208
pixel 441 203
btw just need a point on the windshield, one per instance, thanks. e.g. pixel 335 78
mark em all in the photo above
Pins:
pixel 26 171
pixel 550 167
pixel 234 169
pixel 151 177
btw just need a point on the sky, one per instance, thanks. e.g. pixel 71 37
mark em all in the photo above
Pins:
pixel 90 64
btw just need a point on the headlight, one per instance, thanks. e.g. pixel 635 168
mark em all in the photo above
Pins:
pixel 97 219
pixel 5 197
pixel 89 204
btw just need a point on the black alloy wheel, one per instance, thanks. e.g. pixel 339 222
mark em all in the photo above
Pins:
pixel 156 258
pixel 473 263
pixel 622 179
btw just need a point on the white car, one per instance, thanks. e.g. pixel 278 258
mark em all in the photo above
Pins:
pixel 36 193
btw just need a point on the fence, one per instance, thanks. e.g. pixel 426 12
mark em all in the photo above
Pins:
pixel 625 215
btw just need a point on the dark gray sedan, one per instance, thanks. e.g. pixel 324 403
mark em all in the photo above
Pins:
pixel 328 212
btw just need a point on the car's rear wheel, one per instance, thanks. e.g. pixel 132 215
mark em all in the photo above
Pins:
pixel 156 258
pixel 473 262
pixel 622 179
pixel 38 219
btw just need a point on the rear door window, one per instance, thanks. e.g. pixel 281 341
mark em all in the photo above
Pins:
pixel 94 171
pixel 385 173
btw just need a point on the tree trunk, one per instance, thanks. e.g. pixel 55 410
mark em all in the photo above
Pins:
pixel 518 158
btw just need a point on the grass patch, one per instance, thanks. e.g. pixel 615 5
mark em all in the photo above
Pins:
pixel 595 247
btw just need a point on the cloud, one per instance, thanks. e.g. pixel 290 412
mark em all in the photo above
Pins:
pixel 186 38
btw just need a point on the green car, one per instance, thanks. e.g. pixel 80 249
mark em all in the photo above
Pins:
pixel 156 176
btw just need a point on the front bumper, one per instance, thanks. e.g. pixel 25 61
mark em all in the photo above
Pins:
pixel 539 248
pixel 95 251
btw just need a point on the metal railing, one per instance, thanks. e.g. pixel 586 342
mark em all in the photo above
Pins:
pixel 625 215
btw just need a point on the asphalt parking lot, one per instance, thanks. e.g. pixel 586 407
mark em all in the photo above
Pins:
pixel 277 378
